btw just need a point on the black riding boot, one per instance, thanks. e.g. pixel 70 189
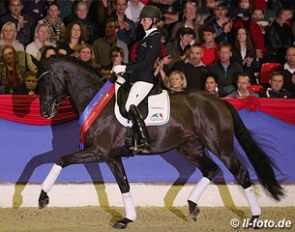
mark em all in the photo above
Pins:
pixel 140 128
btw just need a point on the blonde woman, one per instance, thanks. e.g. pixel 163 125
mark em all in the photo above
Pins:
pixel 85 53
pixel 8 37
pixel 177 81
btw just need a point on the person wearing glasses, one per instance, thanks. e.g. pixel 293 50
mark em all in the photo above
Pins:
pixel 28 85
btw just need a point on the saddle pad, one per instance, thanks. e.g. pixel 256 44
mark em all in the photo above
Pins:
pixel 159 111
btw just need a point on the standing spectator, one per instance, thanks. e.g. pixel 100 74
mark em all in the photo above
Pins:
pixel 226 70
pixel 25 25
pixel 244 53
pixel 193 68
pixel 28 85
pixel 81 15
pixel 243 84
pixel 288 70
pixel 276 87
pixel 209 46
pixel 75 35
pixel 54 23
pixel 211 84
pixel 10 72
pixel 126 32
pixel 190 20
pixel 103 46
pixel 8 37
pixel 279 36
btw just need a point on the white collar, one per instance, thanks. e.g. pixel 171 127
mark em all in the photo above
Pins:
pixel 149 31
pixel 287 67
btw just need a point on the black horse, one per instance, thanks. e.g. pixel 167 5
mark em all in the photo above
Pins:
pixel 198 121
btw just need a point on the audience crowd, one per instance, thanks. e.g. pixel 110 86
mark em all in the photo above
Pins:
pixel 218 46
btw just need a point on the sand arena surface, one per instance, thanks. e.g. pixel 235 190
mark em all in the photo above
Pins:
pixel 150 219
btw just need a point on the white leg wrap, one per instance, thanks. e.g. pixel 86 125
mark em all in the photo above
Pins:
pixel 199 189
pixel 252 201
pixel 51 178
pixel 129 206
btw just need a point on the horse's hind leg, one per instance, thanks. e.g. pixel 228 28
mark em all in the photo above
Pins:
pixel 119 173
pixel 87 156
pixel 193 151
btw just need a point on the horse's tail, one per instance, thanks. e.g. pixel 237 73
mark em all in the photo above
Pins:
pixel 262 164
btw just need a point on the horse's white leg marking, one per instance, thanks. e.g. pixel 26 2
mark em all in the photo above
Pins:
pixel 199 189
pixel 129 206
pixel 252 201
pixel 51 178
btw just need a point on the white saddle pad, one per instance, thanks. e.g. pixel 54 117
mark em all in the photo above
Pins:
pixel 159 111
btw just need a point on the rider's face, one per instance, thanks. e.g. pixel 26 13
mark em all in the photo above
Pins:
pixel 146 23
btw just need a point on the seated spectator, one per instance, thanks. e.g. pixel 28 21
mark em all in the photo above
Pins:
pixel 47 51
pixel 226 70
pixel 258 17
pixel 243 9
pixel 210 6
pixel 190 20
pixel 176 81
pixel 75 35
pixel 177 48
pixel 279 36
pixel 8 37
pixel 10 72
pixel 288 70
pixel 85 53
pixel 102 47
pixel 41 40
pixel 193 68
pixel 243 83
pixel 81 15
pixel 117 57
pixel 209 46
pixel 28 85
pixel 54 23
pixel 276 87
pixel 133 10
pixel 211 84
pixel 244 53
pixel 25 25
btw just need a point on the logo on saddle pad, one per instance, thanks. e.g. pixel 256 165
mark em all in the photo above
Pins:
pixel 158 111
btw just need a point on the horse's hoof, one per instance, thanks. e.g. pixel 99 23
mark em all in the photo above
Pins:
pixel 193 210
pixel 122 224
pixel 43 200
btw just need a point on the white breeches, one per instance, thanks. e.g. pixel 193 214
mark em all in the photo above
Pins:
pixel 138 92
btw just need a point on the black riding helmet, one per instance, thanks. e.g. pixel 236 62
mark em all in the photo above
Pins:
pixel 150 11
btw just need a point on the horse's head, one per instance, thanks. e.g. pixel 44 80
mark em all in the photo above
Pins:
pixel 51 89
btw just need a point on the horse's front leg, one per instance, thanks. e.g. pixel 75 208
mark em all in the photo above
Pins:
pixel 87 156
pixel 119 173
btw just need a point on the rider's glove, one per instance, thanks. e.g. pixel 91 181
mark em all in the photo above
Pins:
pixel 119 69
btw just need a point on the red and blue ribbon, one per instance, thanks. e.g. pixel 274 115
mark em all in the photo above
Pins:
pixel 94 108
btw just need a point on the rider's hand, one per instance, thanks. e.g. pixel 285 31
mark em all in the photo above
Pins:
pixel 119 69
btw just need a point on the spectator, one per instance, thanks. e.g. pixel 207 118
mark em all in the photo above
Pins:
pixel 117 57
pixel 243 84
pixel 81 15
pixel 75 35
pixel 8 37
pixel 35 9
pixel 85 53
pixel 178 48
pixel 54 23
pixel 193 68
pixel 209 46
pixel 244 9
pixel 226 70
pixel 10 72
pixel 258 17
pixel 288 70
pixel 276 87
pixel 244 53
pixel 210 5
pixel 133 10
pixel 190 20
pixel 28 85
pixel 176 81
pixel 126 32
pixel 25 25
pixel 47 51
pixel 211 84
pixel 279 36
pixel 102 47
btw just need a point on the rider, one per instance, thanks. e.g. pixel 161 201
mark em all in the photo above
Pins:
pixel 141 71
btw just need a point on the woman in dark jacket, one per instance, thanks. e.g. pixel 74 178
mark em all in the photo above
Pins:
pixel 141 71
